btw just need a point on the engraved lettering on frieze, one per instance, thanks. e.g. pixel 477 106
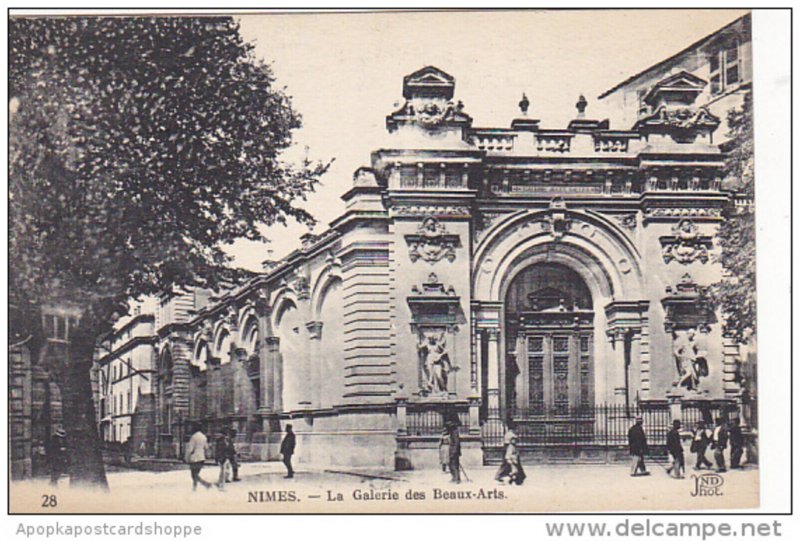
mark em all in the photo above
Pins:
pixel 686 244
pixel 432 242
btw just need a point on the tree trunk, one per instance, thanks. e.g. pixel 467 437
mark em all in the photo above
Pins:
pixel 83 441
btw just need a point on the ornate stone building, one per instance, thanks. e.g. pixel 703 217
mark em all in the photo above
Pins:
pixel 552 277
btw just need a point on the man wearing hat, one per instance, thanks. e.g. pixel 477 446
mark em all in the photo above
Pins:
pixel 675 449
pixel 455 451
pixel 287 450
pixel 700 441
pixel 56 451
pixel 637 445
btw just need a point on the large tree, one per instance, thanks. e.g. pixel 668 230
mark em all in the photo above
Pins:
pixel 735 294
pixel 140 147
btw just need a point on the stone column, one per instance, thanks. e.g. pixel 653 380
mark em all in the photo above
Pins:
pixel 266 374
pixel 274 373
pixel 315 354
pixel 493 376
pixel 615 370
pixel 644 360
pixel 730 367
pixel 634 378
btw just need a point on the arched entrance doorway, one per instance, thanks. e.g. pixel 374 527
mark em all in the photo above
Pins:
pixel 549 330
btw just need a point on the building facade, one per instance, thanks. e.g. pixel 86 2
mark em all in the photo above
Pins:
pixel 549 277
pixel 724 59
pixel 125 381
pixel 34 398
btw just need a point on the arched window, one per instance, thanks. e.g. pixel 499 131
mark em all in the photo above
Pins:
pixel 223 347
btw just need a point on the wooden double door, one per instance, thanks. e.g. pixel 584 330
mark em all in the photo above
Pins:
pixel 556 371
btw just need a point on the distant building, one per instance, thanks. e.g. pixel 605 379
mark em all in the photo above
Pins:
pixel 723 60
pixel 35 404
pixel 125 380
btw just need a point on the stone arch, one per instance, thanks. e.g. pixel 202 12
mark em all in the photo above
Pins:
pixel 289 326
pixel 246 312
pixel 248 332
pixel 282 299
pixel 328 313
pixel 586 242
pixel 326 279
pixel 222 343
pixel 166 364
pixel 200 352
pixel 591 242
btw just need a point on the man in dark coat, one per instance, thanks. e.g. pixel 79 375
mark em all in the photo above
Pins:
pixel 736 439
pixel 232 455
pixel 637 445
pixel 56 452
pixel 675 450
pixel 719 442
pixel 700 441
pixel 455 452
pixel 287 450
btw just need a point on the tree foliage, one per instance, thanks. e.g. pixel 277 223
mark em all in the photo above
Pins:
pixel 139 148
pixel 735 294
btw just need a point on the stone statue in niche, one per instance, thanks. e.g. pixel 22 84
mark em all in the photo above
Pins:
pixel 435 360
pixel 690 359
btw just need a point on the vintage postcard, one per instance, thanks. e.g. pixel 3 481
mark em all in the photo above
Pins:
pixel 423 262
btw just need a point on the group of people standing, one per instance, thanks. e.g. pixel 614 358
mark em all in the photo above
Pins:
pixel 226 456
pixel 718 439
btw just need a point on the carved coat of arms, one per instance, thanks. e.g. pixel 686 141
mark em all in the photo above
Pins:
pixel 686 244
pixel 432 242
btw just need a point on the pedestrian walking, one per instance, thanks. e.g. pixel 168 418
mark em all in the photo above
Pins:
pixel 719 442
pixel 233 456
pixel 221 456
pixel 444 449
pixel 127 450
pixel 637 445
pixel 675 449
pixel 454 462
pixel 196 455
pixel 513 464
pixel 736 439
pixel 287 450
pixel 55 450
pixel 505 470
pixel 701 438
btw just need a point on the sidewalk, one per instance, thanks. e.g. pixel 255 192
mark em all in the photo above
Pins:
pixel 263 489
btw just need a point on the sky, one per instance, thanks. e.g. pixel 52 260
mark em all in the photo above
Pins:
pixel 344 73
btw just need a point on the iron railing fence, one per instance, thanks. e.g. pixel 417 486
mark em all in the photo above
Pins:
pixel 430 419
pixel 604 425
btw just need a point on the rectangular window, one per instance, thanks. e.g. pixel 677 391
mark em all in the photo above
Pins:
pixel 643 108
pixel 724 67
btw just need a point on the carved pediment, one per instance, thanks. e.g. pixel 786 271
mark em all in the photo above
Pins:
pixel 682 87
pixel 428 103
pixel 685 307
pixel 433 304
pixel 428 81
